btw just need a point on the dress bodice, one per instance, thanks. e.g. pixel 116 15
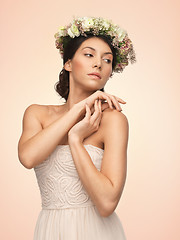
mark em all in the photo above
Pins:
pixel 58 179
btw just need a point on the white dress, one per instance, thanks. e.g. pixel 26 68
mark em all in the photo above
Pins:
pixel 67 211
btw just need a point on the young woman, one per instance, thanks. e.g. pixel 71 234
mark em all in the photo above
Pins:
pixel 79 149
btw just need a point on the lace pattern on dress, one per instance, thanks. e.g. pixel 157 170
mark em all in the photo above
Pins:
pixel 58 179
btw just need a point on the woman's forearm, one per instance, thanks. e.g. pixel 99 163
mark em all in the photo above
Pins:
pixel 98 186
pixel 36 149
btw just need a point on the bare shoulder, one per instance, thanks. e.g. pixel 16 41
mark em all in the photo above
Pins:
pixel 33 118
pixel 41 110
pixel 45 114
pixel 113 115
pixel 114 126
pixel 36 108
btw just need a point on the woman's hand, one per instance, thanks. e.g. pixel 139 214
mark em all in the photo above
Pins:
pixel 88 125
pixel 112 101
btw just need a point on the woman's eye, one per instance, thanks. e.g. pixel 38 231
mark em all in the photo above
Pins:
pixel 88 54
pixel 107 60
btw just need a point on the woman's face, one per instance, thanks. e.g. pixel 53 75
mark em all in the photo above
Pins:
pixel 91 65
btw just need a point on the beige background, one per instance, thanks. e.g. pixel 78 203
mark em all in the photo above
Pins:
pixel 30 64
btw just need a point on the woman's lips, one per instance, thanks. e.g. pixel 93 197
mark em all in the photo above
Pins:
pixel 95 76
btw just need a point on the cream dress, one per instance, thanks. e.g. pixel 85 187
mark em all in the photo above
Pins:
pixel 67 211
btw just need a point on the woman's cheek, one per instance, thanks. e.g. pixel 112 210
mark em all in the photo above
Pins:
pixel 109 71
pixel 78 65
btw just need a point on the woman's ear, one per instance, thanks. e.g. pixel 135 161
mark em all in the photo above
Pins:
pixel 67 65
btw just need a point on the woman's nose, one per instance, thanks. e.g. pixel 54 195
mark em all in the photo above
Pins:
pixel 97 63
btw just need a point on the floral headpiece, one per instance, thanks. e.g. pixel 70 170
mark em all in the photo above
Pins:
pixel 98 26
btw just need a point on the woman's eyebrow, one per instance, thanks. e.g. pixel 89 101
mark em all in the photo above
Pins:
pixel 95 50
pixel 90 48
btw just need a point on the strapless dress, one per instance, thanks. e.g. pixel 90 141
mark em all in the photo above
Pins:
pixel 67 211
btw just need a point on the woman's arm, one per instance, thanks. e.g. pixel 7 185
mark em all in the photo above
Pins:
pixel 35 143
pixel 104 187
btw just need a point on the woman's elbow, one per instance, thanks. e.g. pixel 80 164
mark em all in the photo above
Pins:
pixel 107 209
pixel 27 163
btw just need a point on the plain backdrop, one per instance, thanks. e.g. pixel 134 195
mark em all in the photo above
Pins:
pixel 30 65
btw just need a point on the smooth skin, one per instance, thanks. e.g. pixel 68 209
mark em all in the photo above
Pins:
pixel 84 119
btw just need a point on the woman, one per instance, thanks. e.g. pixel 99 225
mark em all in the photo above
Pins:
pixel 79 149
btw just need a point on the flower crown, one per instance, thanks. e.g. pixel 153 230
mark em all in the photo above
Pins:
pixel 98 26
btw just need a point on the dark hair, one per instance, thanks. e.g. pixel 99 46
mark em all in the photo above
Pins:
pixel 70 47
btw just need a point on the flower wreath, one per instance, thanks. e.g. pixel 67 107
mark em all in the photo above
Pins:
pixel 98 26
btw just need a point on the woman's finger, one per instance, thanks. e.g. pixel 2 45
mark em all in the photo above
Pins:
pixel 115 102
pixel 98 120
pixel 106 97
pixel 120 100
pixel 100 106
pixel 88 112
pixel 100 109
pixel 96 112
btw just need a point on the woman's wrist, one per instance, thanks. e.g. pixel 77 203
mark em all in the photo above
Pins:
pixel 74 139
pixel 80 109
pixel 76 112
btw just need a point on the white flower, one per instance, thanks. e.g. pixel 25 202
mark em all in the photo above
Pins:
pixel 61 31
pixel 73 31
pixel 81 19
pixel 121 33
pixel 87 23
pixel 106 24
pixel 70 33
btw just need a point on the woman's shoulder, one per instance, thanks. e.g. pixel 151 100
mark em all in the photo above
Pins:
pixel 113 122
pixel 110 114
pixel 45 114
pixel 42 111
pixel 43 108
pixel 36 108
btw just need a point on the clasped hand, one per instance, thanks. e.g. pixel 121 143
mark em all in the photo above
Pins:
pixel 94 106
